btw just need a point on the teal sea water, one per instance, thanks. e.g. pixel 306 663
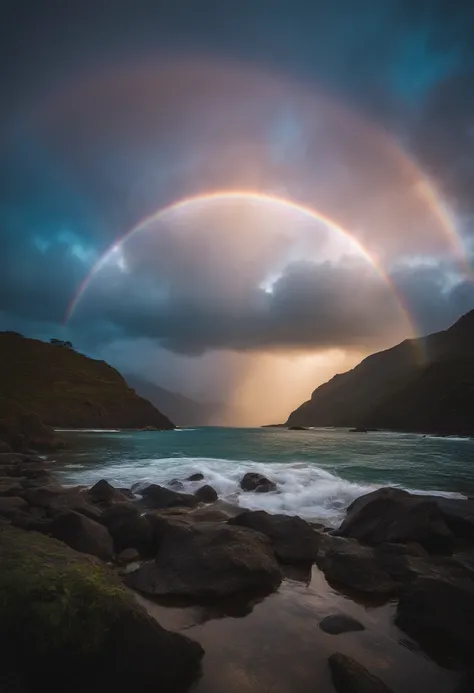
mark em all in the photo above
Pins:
pixel 318 472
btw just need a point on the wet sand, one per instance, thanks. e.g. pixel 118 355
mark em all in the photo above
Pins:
pixel 274 644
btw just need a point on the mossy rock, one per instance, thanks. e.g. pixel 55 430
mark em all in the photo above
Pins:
pixel 60 608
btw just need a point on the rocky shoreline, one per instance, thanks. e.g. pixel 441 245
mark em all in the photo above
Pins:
pixel 73 559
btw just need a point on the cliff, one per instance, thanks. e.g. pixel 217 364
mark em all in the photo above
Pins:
pixel 418 385
pixel 67 389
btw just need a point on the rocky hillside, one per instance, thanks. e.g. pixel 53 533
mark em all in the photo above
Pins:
pixel 397 389
pixel 67 389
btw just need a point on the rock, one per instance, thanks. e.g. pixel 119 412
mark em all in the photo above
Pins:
pixel 340 623
pixel 128 556
pixel 348 563
pixel 4 447
pixel 129 530
pixel 206 494
pixel 297 428
pixel 10 487
pixel 208 560
pixel 56 498
pixel 209 514
pixel 82 534
pixel 458 513
pixel 196 477
pixel 349 676
pixel 253 481
pixel 9 505
pixel 393 515
pixel 127 492
pixel 161 497
pixel 358 429
pixel 103 492
pixel 439 614
pixel 63 611
pixel 176 484
pixel 292 538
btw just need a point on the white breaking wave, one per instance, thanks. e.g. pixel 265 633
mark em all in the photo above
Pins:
pixel 303 489
pixel 88 430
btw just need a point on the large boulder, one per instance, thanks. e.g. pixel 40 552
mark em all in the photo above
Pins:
pixel 293 539
pixel 438 612
pixel 253 481
pixel 55 498
pixel 393 515
pixel 104 493
pixel 64 611
pixel 128 528
pixel 349 676
pixel 82 534
pixel 458 513
pixel 353 566
pixel 208 560
pixel 206 494
pixel 157 497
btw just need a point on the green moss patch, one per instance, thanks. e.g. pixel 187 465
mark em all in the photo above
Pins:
pixel 54 600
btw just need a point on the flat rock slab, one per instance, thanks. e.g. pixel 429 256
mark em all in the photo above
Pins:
pixel 349 676
pixel 340 623
pixel 208 559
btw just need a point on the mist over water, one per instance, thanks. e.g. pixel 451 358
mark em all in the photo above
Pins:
pixel 318 472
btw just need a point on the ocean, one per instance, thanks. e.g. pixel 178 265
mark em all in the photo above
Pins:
pixel 318 472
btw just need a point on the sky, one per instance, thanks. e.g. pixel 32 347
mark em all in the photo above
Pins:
pixel 326 153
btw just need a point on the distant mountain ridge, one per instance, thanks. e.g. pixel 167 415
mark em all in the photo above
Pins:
pixel 67 389
pixel 183 410
pixel 392 389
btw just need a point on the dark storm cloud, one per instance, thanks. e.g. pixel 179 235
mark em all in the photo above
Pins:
pixel 80 165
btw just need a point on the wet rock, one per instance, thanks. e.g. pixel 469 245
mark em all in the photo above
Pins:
pixel 9 505
pixel 253 481
pixel 103 492
pixel 55 498
pixel 4 447
pixel 458 513
pixel 206 494
pixel 196 477
pixel 209 514
pixel 292 538
pixel 438 612
pixel 127 492
pixel 297 428
pixel 176 485
pixel 128 528
pixel 160 497
pixel 359 429
pixel 208 560
pixel 349 676
pixel 340 623
pixel 82 534
pixel 10 487
pixel 393 515
pixel 128 556
pixel 89 624
pixel 348 563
